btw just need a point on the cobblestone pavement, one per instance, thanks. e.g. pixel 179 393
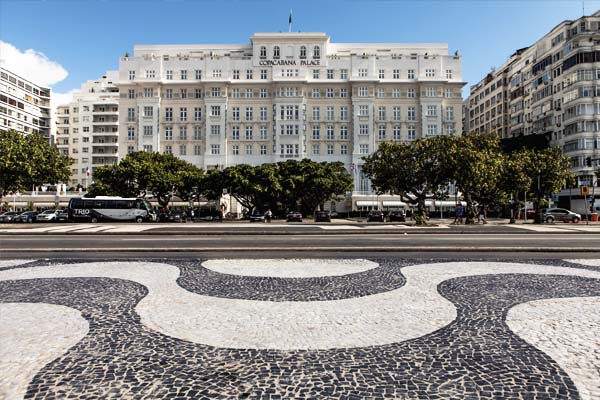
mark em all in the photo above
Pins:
pixel 232 329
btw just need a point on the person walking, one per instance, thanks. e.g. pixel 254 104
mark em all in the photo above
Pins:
pixel 458 215
pixel 268 216
pixel 482 219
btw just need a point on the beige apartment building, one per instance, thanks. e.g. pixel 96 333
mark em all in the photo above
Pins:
pixel 87 129
pixel 287 96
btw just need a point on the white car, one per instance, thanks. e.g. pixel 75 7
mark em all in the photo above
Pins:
pixel 47 216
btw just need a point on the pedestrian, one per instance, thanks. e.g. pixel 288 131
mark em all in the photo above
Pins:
pixel 458 214
pixel 192 215
pixel 482 219
pixel 268 215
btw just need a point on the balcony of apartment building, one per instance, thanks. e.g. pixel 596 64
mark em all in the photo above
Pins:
pixel 105 140
pixel 105 110
pixel 105 149
pixel 106 120
pixel 104 160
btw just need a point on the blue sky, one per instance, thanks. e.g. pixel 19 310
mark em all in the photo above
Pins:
pixel 86 37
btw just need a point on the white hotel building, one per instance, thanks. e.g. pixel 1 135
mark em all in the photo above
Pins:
pixel 287 96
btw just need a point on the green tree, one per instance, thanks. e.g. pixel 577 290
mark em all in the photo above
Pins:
pixel 516 180
pixel 415 171
pixel 29 160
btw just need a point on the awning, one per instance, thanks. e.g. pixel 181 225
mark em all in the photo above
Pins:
pixel 366 203
pixel 447 203
pixel 394 203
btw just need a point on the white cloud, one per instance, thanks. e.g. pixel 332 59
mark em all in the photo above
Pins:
pixel 31 64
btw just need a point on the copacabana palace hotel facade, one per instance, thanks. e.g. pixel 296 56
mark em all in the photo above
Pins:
pixel 287 96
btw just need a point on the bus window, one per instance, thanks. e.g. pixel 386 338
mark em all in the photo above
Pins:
pixel 88 203
pixel 99 204
pixel 120 204
pixel 76 203
pixel 139 204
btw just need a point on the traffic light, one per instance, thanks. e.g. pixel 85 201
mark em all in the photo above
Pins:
pixel 588 161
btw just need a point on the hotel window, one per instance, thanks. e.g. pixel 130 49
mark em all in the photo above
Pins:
pixel 263 74
pixel 168 114
pixel 147 130
pixel 183 133
pixel 344 113
pixel 363 129
pixel 316 113
pixel 131 75
pixel 263 113
pixel 411 74
pixel 362 72
pixel 316 132
pixel 330 113
pixel 316 52
pixel 329 74
pixel 215 130
pixel 148 111
pixel 330 149
pixel 235 93
pixel 316 73
pixel 430 92
pixel 329 93
pixel 249 93
pixel 131 114
pixel 396 93
pixel 148 148
pixel 330 132
pixel 448 74
pixel 170 75
pixel 448 93
pixel 343 74
pixel 183 114
pixel 150 73
pixel 249 132
pixel 396 74
pixel 263 149
pixel 197 150
pixel 249 113
pixel 236 74
pixel 363 149
pixel 235 114
pixel 381 132
pixel 431 111
pixel 396 113
pixel 148 92
pixel 264 93
pixel 449 129
pixel 215 149
pixel 216 73
pixel 412 132
pixel 215 111
pixel 431 130
pixel 184 93
pixel 249 74
pixel 130 149
pixel 302 51
pixel 131 94
pixel 344 132
pixel 316 93
pixel 382 74
pixel 169 93
pixel 396 132
pixel 363 110
pixel 450 113
pixel 344 149
pixel 235 132
pixel 197 132
pixel 381 113
pixel 363 92
pixel 235 149
pixel 183 74
pixel 182 150
pixel 168 149
pixel 248 149
pixel 198 74
pixel 130 133
pixel 380 92
pixel 263 52
pixel 276 52
pixel 411 93
pixel 343 93
pixel 430 73
pixel 316 149
pixel 412 114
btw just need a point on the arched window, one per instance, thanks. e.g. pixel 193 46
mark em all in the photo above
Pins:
pixel 302 51
pixel 263 52
pixel 276 52
pixel 317 52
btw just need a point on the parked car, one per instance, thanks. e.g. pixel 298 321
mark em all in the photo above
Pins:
pixel 207 214
pixel 294 216
pixel 257 216
pixel 561 214
pixel 47 216
pixel 172 216
pixel 27 216
pixel 62 216
pixel 8 216
pixel 397 216
pixel 376 216
pixel 322 216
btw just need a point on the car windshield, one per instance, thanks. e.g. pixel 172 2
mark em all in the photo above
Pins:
pixel 49 212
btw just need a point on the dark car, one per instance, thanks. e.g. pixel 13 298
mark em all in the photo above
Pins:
pixel 27 216
pixel 397 216
pixel 376 216
pixel 322 216
pixel 8 216
pixel 257 216
pixel 561 214
pixel 172 216
pixel 294 216
pixel 207 214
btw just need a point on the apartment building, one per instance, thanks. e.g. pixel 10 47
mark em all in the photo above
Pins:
pixel 286 96
pixel 551 88
pixel 87 129
pixel 24 106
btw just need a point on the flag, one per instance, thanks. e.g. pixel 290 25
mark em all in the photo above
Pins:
pixel 290 19
pixel 87 171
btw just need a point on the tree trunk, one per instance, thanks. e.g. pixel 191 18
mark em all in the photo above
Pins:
pixel 469 212
pixel 421 218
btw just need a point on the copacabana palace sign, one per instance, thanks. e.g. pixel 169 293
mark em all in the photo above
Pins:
pixel 271 63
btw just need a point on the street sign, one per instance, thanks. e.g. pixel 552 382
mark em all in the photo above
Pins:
pixel 584 190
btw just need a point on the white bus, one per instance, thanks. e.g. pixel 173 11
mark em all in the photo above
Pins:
pixel 107 208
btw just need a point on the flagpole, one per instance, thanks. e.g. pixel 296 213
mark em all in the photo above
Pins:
pixel 290 22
